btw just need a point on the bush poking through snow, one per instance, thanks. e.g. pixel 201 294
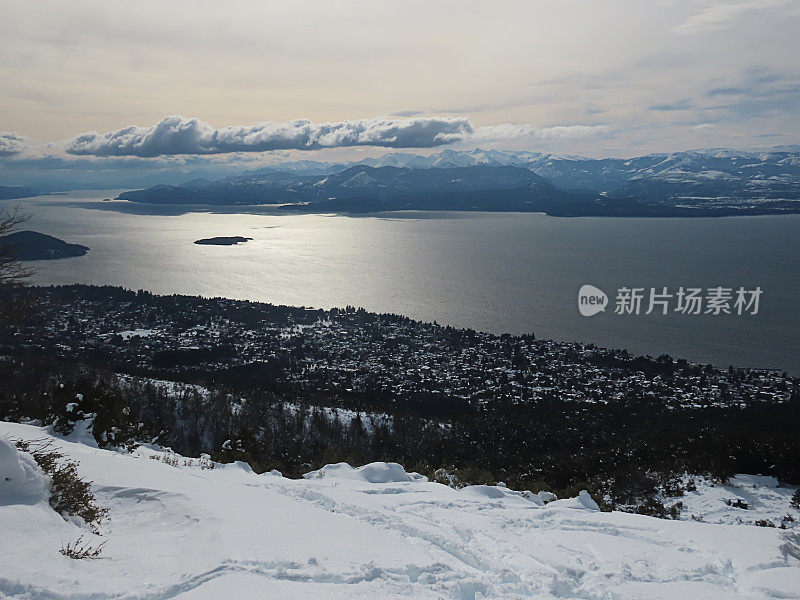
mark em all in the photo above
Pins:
pixel 174 460
pixel 70 496
pixel 459 478
pixel 653 507
pixel 80 549
pixel 796 499
pixel 764 523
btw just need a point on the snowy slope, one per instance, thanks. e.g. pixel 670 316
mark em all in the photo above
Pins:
pixel 181 531
pixel 745 499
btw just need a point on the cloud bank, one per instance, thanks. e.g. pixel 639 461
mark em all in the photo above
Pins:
pixel 720 15
pixel 178 135
pixel 181 135
pixel 11 143
pixel 507 131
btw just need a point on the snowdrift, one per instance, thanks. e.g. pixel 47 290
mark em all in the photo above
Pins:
pixel 21 479
pixel 377 472
pixel 180 530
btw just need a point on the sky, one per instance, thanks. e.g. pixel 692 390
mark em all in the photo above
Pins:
pixel 139 83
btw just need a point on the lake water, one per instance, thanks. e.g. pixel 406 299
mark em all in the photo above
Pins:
pixel 497 272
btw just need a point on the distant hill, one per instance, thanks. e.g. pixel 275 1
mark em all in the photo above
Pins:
pixel 11 192
pixel 373 187
pixel 32 245
pixel 362 188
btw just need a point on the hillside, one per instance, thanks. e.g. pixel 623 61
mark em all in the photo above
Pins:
pixel 296 388
pixel 32 245
pixel 179 529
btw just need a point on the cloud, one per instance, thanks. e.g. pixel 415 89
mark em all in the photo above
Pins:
pixel 181 135
pixel 726 91
pixel 514 131
pixel 408 113
pixel 177 135
pixel 685 104
pixel 11 143
pixel 758 93
pixel 721 15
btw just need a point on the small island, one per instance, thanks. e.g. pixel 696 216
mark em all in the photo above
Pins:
pixel 32 245
pixel 223 241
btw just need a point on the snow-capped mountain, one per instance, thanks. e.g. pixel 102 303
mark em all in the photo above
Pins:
pixel 447 158
pixel 740 169
pixel 454 158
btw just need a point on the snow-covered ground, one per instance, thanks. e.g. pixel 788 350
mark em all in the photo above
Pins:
pixel 744 500
pixel 178 530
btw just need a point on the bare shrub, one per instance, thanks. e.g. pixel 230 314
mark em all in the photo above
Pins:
pixel 12 272
pixel 80 549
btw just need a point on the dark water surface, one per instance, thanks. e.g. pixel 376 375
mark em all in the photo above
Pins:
pixel 498 272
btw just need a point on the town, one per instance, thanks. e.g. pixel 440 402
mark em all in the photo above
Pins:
pixel 352 358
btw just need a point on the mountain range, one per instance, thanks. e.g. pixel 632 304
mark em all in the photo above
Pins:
pixel 693 183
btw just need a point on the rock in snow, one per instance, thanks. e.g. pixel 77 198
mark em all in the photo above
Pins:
pixel 192 533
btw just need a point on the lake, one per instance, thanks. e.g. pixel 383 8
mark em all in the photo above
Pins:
pixel 496 272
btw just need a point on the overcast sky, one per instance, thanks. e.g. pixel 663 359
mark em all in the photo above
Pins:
pixel 612 78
